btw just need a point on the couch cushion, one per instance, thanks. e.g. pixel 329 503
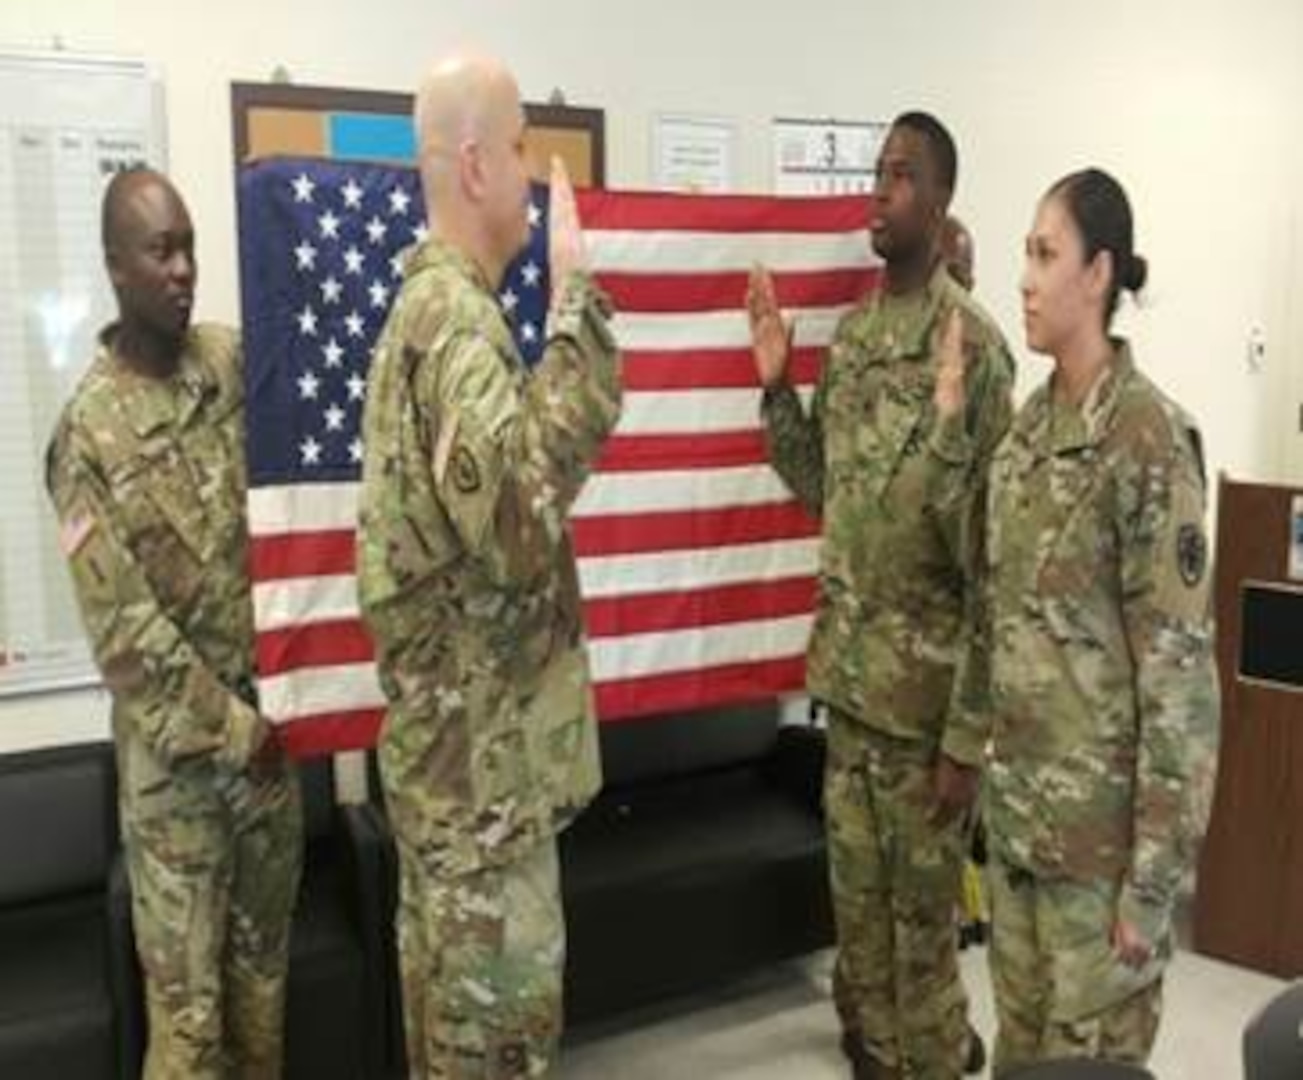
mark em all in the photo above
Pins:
pixel 57 822
pixel 56 1018
pixel 677 744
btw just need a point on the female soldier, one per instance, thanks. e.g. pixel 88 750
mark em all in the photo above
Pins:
pixel 1104 688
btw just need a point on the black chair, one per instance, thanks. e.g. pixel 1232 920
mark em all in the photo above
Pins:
pixel 1082 1070
pixel 1273 1039
pixel 58 832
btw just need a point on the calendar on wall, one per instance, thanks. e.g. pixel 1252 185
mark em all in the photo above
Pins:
pixel 825 157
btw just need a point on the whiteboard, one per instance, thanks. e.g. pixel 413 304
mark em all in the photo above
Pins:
pixel 67 123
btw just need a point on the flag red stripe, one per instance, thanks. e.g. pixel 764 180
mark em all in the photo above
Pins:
pixel 709 369
pixel 718 606
pixel 726 291
pixel 345 641
pixel 330 733
pixel 626 698
pixel 666 212
pixel 721 450
pixel 302 554
pixel 316 644
pixel 677 530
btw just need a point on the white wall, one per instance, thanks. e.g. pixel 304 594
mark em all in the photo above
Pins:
pixel 1191 103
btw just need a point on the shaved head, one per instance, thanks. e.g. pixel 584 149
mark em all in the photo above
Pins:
pixel 470 130
pixel 126 201
pixel 465 98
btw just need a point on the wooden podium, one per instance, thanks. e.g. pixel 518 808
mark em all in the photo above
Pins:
pixel 1250 890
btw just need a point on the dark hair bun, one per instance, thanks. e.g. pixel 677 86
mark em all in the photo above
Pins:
pixel 1134 274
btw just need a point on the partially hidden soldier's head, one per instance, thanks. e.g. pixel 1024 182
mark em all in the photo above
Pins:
pixel 149 252
pixel 914 181
pixel 1080 258
pixel 957 251
pixel 470 129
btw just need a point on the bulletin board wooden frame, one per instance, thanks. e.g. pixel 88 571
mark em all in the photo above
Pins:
pixel 266 116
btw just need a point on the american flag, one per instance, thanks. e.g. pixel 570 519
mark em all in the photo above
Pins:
pixel 696 566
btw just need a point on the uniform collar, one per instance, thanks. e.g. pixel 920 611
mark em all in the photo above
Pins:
pixel 150 404
pixel 907 321
pixel 437 253
pixel 1064 428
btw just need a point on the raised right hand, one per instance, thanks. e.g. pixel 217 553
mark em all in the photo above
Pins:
pixel 566 251
pixel 771 338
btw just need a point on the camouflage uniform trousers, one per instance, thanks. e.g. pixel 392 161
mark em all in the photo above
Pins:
pixel 482 957
pixel 895 877
pixel 1060 990
pixel 214 882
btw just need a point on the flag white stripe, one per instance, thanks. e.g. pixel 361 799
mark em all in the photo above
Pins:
pixel 298 508
pixel 693 412
pixel 291 602
pixel 699 647
pixel 685 490
pixel 728 329
pixel 696 568
pixel 313 691
pixel 656 251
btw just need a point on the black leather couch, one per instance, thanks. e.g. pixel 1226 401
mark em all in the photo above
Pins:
pixel 62 985
pixel 702 858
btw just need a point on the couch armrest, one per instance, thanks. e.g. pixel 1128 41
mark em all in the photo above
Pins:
pixel 796 764
pixel 126 985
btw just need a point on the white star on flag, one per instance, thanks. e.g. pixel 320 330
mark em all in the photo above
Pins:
pixel 420 233
pixel 352 195
pixel 375 230
pixel 329 225
pixel 527 332
pixel 354 324
pixel 311 451
pixel 353 261
pixel 333 353
pixel 334 417
pixel 530 274
pixel 356 387
pixel 399 200
pixel 396 265
pixel 355 451
pixel 379 294
pixel 308 386
pixel 303 186
pixel 307 321
pixel 508 300
pixel 306 256
pixel 535 215
pixel 331 290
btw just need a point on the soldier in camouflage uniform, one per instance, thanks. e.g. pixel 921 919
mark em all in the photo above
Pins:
pixel 1104 688
pixel 146 470
pixel 468 585
pixel 911 401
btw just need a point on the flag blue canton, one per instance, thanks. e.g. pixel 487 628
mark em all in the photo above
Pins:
pixel 320 266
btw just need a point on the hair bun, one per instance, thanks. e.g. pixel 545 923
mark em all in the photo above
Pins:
pixel 1135 273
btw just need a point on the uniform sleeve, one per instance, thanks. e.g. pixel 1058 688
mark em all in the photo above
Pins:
pixel 1165 602
pixel 795 441
pixel 964 448
pixel 509 462
pixel 178 705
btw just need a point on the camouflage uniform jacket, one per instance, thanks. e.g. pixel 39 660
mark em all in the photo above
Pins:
pixel 148 480
pixel 466 568
pixel 1104 685
pixel 901 497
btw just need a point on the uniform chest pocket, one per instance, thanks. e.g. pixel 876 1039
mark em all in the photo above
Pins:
pixel 166 523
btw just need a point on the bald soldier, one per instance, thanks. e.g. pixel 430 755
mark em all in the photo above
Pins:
pixel 468 585
pixel 146 470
